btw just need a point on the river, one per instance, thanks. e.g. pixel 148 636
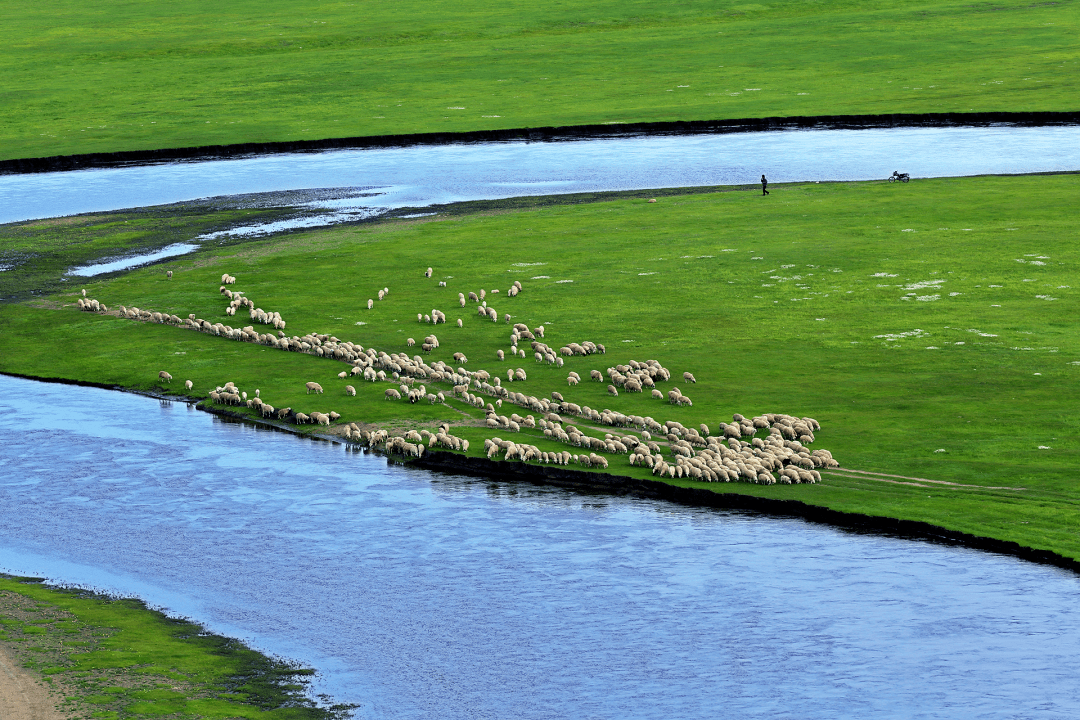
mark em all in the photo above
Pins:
pixel 421 595
pixel 346 185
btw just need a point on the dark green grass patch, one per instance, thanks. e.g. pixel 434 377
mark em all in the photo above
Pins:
pixel 106 76
pixel 928 327
pixel 135 662
pixel 37 255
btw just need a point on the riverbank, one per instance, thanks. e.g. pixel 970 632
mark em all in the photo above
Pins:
pixel 126 158
pixel 74 653
pixel 728 497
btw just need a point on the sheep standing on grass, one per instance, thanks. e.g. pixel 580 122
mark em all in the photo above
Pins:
pixel 162 375
pixel 350 390
pixel 168 274
pixel 314 387
pixel 370 304
pixel 427 273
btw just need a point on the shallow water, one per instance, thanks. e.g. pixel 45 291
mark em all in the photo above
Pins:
pixel 424 175
pixel 133 261
pixel 424 595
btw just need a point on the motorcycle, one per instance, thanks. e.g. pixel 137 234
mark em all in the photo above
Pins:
pixel 902 177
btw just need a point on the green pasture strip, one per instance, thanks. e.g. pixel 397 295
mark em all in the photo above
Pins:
pixel 927 326
pixel 112 658
pixel 109 76
pixel 38 254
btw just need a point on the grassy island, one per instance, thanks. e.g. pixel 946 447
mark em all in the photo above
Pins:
pixel 109 658
pixel 112 76
pixel 927 327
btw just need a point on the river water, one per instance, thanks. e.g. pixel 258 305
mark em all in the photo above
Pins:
pixel 421 595
pixel 356 184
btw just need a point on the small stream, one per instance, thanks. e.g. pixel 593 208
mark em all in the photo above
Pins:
pixel 422 595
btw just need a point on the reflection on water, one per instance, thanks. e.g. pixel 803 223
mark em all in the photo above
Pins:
pixel 424 595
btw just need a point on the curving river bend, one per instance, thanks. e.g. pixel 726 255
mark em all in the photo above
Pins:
pixel 436 596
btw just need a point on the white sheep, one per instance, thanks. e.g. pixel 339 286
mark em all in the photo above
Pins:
pixel 188 385
pixel 168 274
pixel 392 394
pixel 370 303
pixel 459 323
pixel 314 387
pixel 689 377
pixel 350 390
pixel 427 273
pixel 162 375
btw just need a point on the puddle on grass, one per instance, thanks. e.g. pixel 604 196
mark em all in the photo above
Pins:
pixel 134 261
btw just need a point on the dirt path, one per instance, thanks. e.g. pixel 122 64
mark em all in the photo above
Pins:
pixel 881 477
pixel 22 697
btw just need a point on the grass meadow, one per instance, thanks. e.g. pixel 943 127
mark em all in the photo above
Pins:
pixel 107 76
pixel 927 326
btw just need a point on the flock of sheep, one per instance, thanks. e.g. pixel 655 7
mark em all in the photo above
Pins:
pixel 734 453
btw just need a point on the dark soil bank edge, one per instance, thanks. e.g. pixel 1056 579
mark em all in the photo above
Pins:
pixel 441 461
pixel 699 497
pixel 570 132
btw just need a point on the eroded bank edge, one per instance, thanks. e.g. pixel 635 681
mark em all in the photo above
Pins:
pixel 539 134
pixel 730 499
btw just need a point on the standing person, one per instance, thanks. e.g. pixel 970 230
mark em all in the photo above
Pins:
pixel 764 184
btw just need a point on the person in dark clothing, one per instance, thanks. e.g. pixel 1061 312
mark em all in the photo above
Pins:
pixel 764 184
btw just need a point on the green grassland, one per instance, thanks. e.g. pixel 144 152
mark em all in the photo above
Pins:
pixel 90 77
pixel 929 327
pixel 111 658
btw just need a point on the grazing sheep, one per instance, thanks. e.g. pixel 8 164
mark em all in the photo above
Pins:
pixel 410 342
pixel 572 380
pixel 188 385
pixel 392 394
pixel 459 323
pixel 689 377
pixel 314 387
pixel 371 303
pixel 612 391
pixel 428 273
pixel 162 375
pixel 168 274
pixel 596 375
pixel 500 354
pixel 350 390
pixel 342 375
pixel 657 394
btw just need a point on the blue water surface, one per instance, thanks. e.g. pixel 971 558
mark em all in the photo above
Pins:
pixel 420 595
